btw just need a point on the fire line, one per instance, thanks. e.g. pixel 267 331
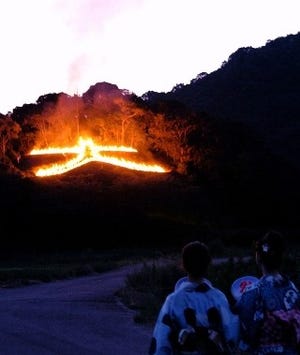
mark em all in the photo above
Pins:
pixel 87 151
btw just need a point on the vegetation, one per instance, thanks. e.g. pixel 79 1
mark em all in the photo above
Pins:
pixel 18 269
pixel 146 290
pixel 257 87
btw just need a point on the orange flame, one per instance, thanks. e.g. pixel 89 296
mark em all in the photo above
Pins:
pixel 87 151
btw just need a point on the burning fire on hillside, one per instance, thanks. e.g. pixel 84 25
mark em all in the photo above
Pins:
pixel 87 151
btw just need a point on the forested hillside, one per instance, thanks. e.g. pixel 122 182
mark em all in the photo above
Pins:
pixel 258 87
pixel 229 140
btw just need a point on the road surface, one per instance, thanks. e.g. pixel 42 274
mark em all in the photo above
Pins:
pixel 80 316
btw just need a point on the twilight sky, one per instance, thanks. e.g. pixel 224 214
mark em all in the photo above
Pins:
pixel 52 46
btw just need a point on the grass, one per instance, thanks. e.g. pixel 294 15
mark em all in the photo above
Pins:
pixel 146 290
pixel 24 269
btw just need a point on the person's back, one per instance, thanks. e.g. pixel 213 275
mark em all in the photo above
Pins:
pixel 269 310
pixel 196 317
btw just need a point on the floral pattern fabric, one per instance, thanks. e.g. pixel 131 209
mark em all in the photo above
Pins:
pixel 270 316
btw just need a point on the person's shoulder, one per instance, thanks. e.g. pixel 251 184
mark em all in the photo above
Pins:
pixel 219 294
pixel 184 286
pixel 216 291
pixel 180 282
pixel 169 300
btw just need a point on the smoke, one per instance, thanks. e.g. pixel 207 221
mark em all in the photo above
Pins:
pixel 85 17
pixel 85 22
pixel 76 72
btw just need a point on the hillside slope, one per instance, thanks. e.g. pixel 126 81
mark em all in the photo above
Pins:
pixel 256 86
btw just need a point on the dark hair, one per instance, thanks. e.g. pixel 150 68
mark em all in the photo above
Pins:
pixel 270 249
pixel 196 258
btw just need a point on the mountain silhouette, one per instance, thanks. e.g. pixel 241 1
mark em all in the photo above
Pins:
pixel 258 87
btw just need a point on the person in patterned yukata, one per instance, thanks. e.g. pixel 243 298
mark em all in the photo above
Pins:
pixel 196 317
pixel 268 310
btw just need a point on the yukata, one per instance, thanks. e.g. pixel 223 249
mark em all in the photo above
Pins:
pixel 270 317
pixel 187 308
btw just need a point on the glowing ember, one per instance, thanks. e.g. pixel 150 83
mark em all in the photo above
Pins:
pixel 87 151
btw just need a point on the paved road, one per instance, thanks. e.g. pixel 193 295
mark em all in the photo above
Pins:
pixel 73 317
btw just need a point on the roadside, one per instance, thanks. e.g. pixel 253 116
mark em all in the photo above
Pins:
pixel 146 289
pixel 79 316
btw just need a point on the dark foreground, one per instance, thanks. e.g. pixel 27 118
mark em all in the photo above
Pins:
pixel 98 206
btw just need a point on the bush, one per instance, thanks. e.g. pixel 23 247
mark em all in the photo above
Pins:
pixel 146 290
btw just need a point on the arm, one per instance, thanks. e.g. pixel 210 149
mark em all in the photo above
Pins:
pixel 164 333
pixel 229 322
pixel 250 313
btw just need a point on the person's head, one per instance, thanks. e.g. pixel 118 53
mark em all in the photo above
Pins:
pixel 195 259
pixel 270 250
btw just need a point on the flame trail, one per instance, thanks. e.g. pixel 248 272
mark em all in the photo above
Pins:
pixel 87 151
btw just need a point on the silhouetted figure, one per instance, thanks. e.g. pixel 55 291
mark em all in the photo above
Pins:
pixel 269 309
pixel 196 317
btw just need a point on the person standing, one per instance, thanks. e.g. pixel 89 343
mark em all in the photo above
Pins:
pixel 196 317
pixel 269 309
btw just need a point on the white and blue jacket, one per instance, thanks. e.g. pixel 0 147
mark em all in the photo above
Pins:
pixel 188 307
